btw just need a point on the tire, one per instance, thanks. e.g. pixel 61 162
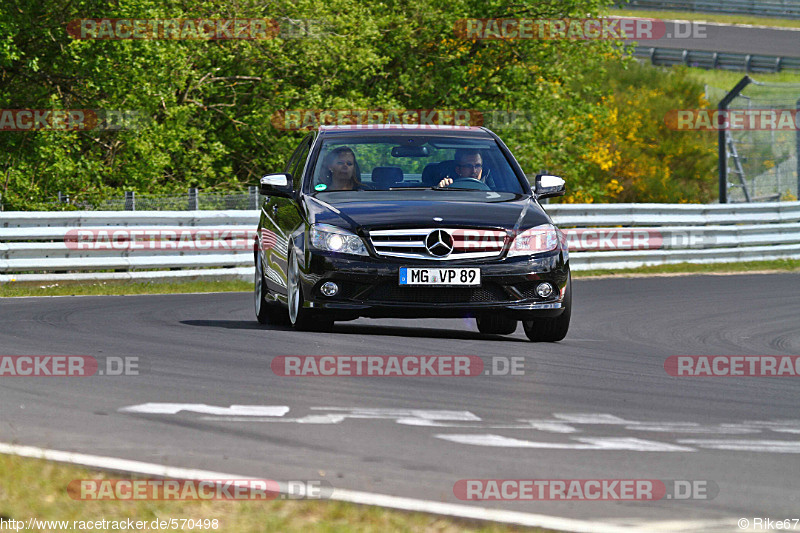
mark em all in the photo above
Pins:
pixel 551 329
pixel 301 318
pixel 266 312
pixel 496 325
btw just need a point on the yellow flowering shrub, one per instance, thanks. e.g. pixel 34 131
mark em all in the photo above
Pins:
pixel 634 156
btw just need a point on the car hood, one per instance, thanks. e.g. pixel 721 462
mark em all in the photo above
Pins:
pixel 512 213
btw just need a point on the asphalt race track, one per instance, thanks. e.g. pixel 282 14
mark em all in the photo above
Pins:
pixel 738 39
pixel 598 405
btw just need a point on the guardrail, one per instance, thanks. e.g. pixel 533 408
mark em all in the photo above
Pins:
pixel 764 8
pixel 712 60
pixel 52 246
pixel 116 245
pixel 615 236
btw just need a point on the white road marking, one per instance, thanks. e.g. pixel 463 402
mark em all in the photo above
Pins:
pixel 311 419
pixel 587 443
pixel 770 446
pixel 592 418
pixel 233 410
pixel 551 426
pixel 275 413
pixel 393 502
pixel 562 423
pixel 412 417
pixel 541 425
pixel 778 426
pixel 377 412
pixel 687 427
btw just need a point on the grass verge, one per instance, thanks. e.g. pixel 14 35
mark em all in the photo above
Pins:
pixel 33 488
pixel 727 79
pixel 127 287
pixel 777 266
pixel 720 18
pixel 83 288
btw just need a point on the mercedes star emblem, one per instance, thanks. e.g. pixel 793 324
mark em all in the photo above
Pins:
pixel 439 243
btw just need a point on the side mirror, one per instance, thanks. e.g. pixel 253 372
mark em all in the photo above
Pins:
pixel 276 185
pixel 547 186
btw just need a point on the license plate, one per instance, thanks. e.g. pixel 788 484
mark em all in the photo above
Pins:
pixel 440 276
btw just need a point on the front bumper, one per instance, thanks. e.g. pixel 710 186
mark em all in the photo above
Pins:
pixel 369 287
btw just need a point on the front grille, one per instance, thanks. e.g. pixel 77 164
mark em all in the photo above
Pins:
pixel 448 295
pixel 468 243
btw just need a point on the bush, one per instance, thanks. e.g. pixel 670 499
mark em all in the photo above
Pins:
pixel 635 157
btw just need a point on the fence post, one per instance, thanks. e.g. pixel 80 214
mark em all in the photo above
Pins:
pixel 130 201
pixel 797 152
pixel 194 202
pixel 253 196
pixel 722 147
pixel 63 198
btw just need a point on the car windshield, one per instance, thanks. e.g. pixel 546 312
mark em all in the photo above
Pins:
pixel 398 163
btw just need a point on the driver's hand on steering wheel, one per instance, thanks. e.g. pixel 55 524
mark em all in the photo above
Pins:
pixel 445 182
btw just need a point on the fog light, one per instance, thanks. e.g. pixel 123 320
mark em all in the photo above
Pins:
pixel 544 290
pixel 329 288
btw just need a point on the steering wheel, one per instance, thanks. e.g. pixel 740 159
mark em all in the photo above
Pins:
pixel 470 183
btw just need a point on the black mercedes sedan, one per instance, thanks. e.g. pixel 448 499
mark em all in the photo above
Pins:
pixel 410 222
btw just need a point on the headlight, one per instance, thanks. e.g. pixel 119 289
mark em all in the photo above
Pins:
pixel 333 239
pixel 536 240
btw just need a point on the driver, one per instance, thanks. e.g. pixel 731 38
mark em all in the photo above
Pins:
pixel 469 164
pixel 342 168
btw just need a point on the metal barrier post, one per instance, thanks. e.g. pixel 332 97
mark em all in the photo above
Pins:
pixel 253 191
pixel 130 201
pixel 194 202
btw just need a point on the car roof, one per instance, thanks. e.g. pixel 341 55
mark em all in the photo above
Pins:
pixel 405 129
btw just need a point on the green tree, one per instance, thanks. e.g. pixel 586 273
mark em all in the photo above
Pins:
pixel 207 105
